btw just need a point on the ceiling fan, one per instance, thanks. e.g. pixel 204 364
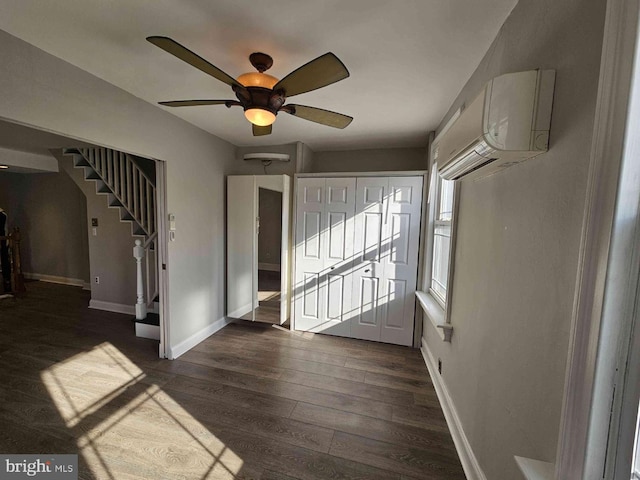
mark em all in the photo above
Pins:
pixel 261 95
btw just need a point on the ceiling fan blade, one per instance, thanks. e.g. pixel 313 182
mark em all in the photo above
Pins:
pixel 258 131
pixel 186 55
pixel 318 115
pixel 318 73
pixel 194 103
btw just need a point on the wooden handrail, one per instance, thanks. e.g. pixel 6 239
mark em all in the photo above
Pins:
pixel 17 278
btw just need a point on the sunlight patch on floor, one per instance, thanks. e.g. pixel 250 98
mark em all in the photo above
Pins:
pixel 128 427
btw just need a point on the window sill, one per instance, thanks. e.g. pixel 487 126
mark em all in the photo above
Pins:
pixel 435 313
pixel 535 469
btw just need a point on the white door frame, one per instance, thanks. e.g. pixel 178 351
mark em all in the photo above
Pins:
pixel 162 257
pixel 598 323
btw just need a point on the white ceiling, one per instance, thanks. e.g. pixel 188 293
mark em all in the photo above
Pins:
pixel 408 59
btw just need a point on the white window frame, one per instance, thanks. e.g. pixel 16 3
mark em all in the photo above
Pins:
pixel 437 309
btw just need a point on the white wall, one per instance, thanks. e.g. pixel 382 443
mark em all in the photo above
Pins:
pixel 517 248
pixel 374 160
pixel 40 90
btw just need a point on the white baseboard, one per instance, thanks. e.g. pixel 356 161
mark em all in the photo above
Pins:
pixel 272 267
pixel 196 338
pixel 241 311
pixel 75 282
pixel 468 459
pixel 112 307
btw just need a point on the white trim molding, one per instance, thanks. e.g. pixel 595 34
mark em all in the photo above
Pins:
pixel 619 44
pixel 112 307
pixel 74 282
pixel 535 469
pixel 196 338
pixel 435 313
pixel 468 459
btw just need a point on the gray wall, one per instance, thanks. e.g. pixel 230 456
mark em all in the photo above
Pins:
pixel 375 160
pixel 517 248
pixel 111 249
pixel 44 92
pixel 51 213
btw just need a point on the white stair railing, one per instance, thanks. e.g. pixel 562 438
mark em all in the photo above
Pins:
pixel 151 266
pixel 146 276
pixel 133 189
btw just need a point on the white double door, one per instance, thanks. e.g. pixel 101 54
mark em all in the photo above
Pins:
pixel 356 252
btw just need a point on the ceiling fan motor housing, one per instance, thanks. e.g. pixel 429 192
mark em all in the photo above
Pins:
pixel 259 97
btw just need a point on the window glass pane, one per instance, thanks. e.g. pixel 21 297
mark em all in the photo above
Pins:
pixel 446 200
pixel 440 266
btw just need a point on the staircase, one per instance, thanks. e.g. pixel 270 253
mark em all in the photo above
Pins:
pixel 128 188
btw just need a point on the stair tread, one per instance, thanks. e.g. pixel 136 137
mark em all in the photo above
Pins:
pixel 152 319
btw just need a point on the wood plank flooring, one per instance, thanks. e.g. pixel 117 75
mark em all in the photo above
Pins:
pixel 253 401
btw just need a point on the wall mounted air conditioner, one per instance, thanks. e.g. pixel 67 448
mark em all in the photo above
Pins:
pixel 507 123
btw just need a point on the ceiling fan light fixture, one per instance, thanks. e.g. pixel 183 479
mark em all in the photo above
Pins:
pixel 257 79
pixel 260 116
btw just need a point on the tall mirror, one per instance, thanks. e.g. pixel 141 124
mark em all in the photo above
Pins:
pixel 258 250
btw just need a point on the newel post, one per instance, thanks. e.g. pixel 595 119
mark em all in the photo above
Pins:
pixel 141 306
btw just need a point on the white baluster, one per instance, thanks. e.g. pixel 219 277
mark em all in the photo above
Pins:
pixel 141 306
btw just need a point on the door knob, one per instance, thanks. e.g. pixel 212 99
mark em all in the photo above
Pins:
pixel 332 268
pixel 367 270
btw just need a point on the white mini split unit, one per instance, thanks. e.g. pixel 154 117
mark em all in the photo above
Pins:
pixel 506 124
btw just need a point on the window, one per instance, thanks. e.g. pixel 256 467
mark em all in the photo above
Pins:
pixel 442 219
pixel 439 248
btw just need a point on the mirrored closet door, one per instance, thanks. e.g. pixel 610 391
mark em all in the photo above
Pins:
pixel 258 250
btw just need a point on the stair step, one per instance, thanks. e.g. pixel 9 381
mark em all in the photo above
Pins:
pixel 102 187
pixel 80 161
pixel 148 327
pixel 89 173
pixel 152 319
pixel 113 201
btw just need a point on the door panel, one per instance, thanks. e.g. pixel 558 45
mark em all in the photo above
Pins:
pixel 368 270
pixel 398 239
pixel 337 235
pixel 372 237
pixel 311 237
pixel 338 256
pixel 309 262
pixel 395 302
pixel 368 301
pixel 324 254
pixel 401 266
pixel 310 296
pixel 335 297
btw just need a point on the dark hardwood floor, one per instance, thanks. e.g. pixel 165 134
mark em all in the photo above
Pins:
pixel 251 402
